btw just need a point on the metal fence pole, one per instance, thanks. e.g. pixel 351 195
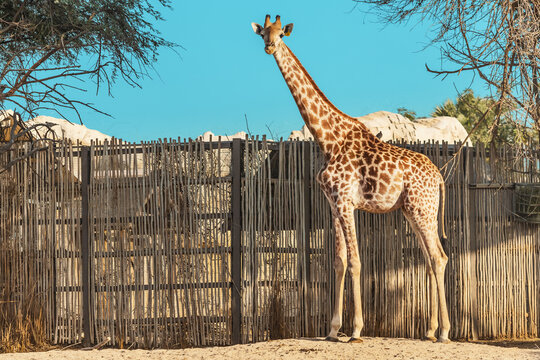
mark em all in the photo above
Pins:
pixel 236 241
pixel 85 246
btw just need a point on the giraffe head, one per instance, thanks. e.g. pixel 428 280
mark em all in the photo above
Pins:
pixel 272 33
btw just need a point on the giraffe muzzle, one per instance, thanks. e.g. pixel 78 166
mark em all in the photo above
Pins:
pixel 270 48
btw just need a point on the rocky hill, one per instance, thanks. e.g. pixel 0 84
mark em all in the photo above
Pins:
pixel 395 127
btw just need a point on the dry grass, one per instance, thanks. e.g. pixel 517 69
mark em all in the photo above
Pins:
pixel 21 324
pixel 277 319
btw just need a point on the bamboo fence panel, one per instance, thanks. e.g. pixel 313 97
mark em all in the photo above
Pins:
pixel 39 239
pixel 161 246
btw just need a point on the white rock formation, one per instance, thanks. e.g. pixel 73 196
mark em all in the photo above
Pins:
pixel 302 134
pixel 62 129
pixel 395 127
pixel 207 136
pixel 3 115
pixel 442 128
pixel 67 130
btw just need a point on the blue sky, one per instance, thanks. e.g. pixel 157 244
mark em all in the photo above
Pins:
pixel 223 72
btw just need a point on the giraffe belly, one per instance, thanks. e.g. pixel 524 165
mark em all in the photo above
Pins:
pixel 382 198
pixel 377 201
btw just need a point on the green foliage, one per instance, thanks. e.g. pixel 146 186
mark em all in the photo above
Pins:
pixel 469 110
pixel 45 42
pixel 409 114
pixel 498 42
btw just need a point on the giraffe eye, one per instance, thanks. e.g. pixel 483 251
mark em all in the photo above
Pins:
pixel 281 35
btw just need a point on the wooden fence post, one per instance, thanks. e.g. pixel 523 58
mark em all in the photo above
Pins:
pixel 86 248
pixel 470 222
pixel 236 241
pixel 307 229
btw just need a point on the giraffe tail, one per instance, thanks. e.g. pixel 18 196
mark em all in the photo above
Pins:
pixel 443 194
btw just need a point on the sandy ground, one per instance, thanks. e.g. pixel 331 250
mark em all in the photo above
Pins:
pixel 372 348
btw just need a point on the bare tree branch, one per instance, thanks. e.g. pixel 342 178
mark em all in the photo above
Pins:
pixel 497 40
pixel 14 131
pixel 44 45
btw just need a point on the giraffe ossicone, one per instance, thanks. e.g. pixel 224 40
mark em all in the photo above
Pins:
pixel 363 172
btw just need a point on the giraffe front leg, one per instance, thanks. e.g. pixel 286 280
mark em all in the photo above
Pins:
pixel 358 321
pixel 349 230
pixel 340 266
pixel 434 305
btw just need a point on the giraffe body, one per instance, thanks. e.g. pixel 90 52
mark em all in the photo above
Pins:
pixel 363 172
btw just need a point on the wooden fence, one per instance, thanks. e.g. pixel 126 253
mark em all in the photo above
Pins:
pixel 176 244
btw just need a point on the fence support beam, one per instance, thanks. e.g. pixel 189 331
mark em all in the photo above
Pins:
pixel 86 259
pixel 236 241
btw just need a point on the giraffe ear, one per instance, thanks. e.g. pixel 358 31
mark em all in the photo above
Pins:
pixel 287 29
pixel 257 28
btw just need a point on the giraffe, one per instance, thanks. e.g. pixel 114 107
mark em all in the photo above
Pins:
pixel 363 172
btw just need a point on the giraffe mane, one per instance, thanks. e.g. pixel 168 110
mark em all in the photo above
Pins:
pixel 319 92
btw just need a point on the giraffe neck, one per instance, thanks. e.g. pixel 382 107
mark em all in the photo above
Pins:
pixel 326 122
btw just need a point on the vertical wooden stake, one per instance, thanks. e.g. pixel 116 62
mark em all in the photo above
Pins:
pixel 307 229
pixel 471 231
pixel 86 248
pixel 236 241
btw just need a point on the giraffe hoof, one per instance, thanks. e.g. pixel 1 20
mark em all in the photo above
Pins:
pixel 430 338
pixel 355 340
pixel 443 341
pixel 331 338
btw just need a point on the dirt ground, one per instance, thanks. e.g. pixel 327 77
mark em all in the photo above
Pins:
pixel 313 349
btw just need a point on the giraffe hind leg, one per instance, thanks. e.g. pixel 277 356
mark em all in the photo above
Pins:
pixel 439 268
pixel 436 261
pixel 434 305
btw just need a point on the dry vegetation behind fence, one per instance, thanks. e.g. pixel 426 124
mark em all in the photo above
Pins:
pixel 191 244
